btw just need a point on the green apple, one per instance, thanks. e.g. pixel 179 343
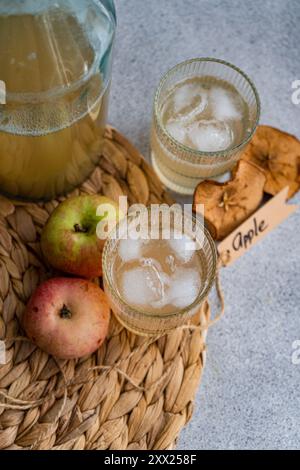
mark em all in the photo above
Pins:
pixel 73 238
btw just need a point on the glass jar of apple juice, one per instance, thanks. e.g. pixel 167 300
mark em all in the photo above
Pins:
pixel 55 69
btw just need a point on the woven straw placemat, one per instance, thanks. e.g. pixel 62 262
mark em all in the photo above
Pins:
pixel 134 393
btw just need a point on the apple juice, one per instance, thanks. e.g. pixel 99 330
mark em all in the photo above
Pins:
pixel 159 276
pixel 52 125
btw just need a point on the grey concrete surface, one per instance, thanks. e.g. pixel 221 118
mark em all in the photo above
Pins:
pixel 250 396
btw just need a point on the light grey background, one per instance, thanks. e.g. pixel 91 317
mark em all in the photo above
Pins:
pixel 250 394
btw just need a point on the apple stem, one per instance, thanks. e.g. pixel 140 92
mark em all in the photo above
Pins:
pixel 65 312
pixel 79 229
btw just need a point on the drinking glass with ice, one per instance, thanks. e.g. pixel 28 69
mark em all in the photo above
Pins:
pixel 205 112
pixel 155 285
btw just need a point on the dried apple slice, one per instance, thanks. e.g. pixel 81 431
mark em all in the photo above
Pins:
pixel 278 154
pixel 227 205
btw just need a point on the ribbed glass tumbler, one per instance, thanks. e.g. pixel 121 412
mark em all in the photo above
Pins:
pixel 143 320
pixel 179 166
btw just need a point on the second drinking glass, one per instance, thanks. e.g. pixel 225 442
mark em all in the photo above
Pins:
pixel 156 279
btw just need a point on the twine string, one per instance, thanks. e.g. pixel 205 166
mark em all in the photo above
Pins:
pixel 19 404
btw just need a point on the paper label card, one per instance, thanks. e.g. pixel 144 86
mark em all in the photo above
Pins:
pixel 256 227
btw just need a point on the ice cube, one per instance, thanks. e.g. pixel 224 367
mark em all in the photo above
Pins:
pixel 183 96
pixel 189 99
pixel 184 247
pixel 177 130
pixel 226 105
pixel 185 287
pixel 135 288
pixel 145 285
pixel 189 95
pixel 210 135
pixel 170 260
pixel 157 279
pixel 130 250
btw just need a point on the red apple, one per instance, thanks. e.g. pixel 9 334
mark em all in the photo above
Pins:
pixel 67 318
pixel 71 240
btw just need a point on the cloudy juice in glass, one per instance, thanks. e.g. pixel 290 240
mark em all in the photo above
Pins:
pixel 205 112
pixel 158 282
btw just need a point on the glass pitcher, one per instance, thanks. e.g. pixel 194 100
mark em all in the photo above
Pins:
pixel 55 70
